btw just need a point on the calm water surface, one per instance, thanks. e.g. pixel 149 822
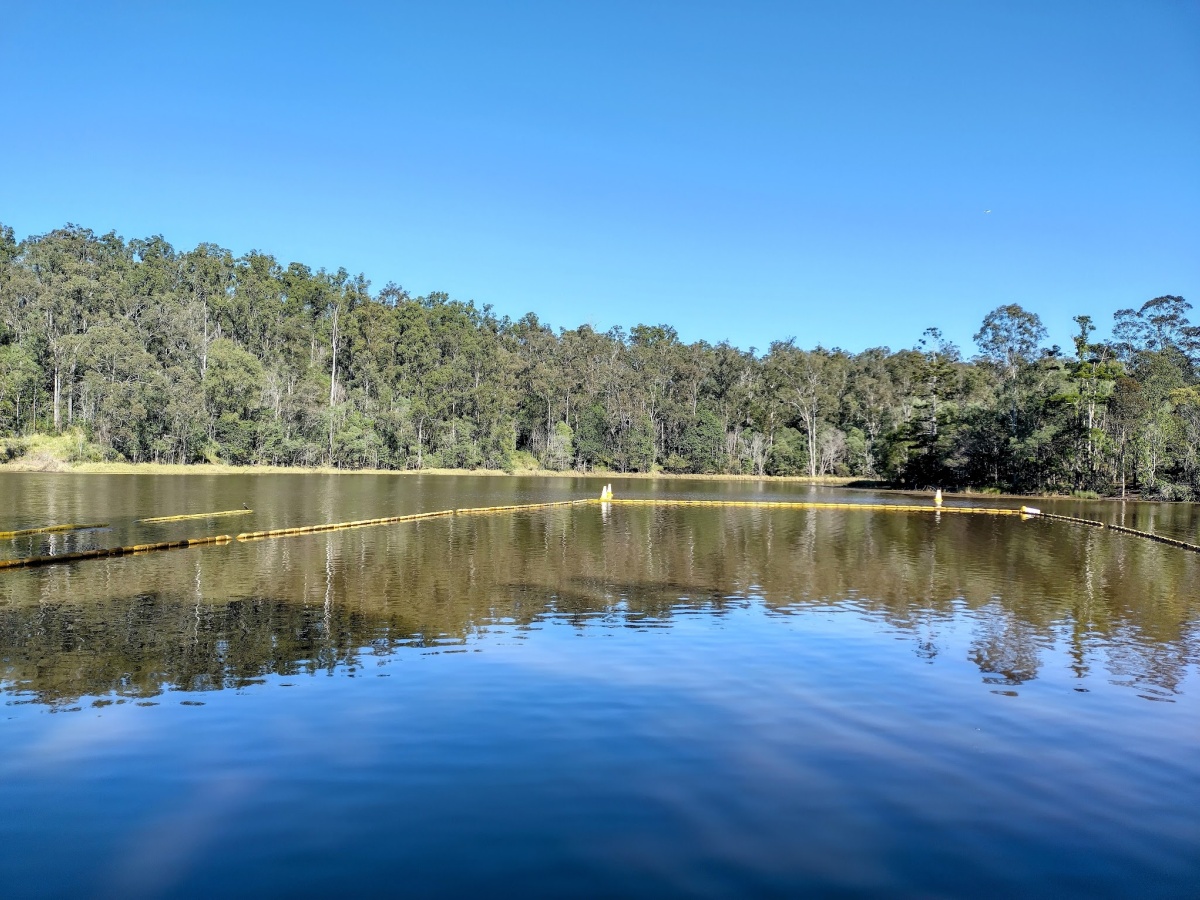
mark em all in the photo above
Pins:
pixel 581 702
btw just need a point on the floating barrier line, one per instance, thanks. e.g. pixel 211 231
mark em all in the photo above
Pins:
pixel 1027 512
pixel 101 552
pixel 338 526
pixel 1092 522
pixel 47 529
pixel 1162 539
pixel 208 515
pixel 391 520
pixel 787 504
pixel 1182 545
pixel 1024 512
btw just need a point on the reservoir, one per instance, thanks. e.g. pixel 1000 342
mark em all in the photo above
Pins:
pixel 593 700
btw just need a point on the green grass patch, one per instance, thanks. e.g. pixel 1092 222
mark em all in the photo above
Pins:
pixel 520 461
pixel 48 452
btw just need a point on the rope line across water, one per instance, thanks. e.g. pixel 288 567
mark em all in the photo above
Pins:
pixel 27 562
pixel 48 529
pixel 1024 512
pixel 1171 542
pixel 204 515
pixel 787 504
pixel 389 520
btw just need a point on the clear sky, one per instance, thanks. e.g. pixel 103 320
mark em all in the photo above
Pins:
pixel 743 171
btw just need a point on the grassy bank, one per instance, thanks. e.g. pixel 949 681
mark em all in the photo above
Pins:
pixel 52 455
pixel 68 453
pixel 151 468
pixel 126 468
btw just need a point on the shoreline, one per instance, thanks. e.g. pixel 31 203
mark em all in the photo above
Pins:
pixel 55 466
pixel 46 466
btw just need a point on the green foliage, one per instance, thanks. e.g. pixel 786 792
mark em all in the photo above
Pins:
pixel 134 350
pixel 520 461
pixel 591 438
pixel 71 445
pixel 701 444
pixel 233 380
pixel 560 449
pixel 789 455
pixel 636 449
pixel 20 379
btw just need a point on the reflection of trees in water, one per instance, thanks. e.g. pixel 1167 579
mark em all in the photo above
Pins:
pixel 1154 669
pixel 1006 647
pixel 224 617
pixel 137 646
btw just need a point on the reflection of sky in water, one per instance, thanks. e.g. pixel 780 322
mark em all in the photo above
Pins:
pixel 688 703
pixel 807 749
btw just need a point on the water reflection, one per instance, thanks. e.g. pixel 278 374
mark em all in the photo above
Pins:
pixel 227 617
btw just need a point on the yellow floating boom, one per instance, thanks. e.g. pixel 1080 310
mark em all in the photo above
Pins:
pixel 390 520
pixel 790 504
pixel 47 529
pixel 338 526
pixel 206 515
pixel 101 552
pixel 1162 539
pixel 1024 512
pixel 1182 545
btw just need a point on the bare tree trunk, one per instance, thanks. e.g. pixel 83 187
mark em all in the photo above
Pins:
pixel 204 346
pixel 57 397
pixel 333 346
pixel 810 423
pixel 333 362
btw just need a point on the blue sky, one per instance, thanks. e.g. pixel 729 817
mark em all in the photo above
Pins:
pixel 742 171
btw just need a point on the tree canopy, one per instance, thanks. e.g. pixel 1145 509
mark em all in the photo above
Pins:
pixel 157 354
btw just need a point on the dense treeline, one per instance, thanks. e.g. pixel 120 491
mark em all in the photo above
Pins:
pixel 154 354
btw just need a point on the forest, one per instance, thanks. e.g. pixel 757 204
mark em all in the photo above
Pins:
pixel 148 353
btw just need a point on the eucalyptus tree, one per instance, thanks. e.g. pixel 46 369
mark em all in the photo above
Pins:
pixel 1160 325
pixel 870 404
pixel 68 283
pixel 1160 348
pixel 1093 373
pixel 256 311
pixel 1009 345
pixel 156 353
pixel 540 375
pixel 20 378
pixel 121 385
pixel 810 382
pixel 209 300
pixel 651 355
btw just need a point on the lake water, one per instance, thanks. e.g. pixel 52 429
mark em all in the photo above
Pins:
pixel 591 702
